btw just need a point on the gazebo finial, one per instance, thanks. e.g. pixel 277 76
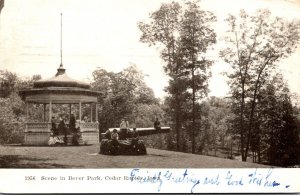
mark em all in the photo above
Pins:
pixel 61 64
pixel 61 69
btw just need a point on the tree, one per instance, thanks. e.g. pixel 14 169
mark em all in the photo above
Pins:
pixel 125 94
pixel 287 150
pixel 183 33
pixel 218 115
pixel 8 81
pixel 145 114
pixel 24 83
pixel 277 140
pixel 7 118
pixel 12 116
pixel 118 93
pixel 254 46
pixel 196 35
pixel 163 31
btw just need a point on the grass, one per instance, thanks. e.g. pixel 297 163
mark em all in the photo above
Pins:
pixel 87 157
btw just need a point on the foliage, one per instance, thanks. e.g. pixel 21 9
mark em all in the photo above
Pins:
pixel 125 94
pixel 11 83
pixel 277 140
pixel 11 121
pixel 12 116
pixel 163 31
pixel 196 36
pixel 254 46
pixel 183 34
pixel 145 114
pixel 219 116
pixel 8 82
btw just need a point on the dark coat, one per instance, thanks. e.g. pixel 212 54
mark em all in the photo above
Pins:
pixel 62 127
pixel 72 122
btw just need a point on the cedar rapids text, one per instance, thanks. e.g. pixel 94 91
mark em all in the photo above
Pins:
pixel 92 178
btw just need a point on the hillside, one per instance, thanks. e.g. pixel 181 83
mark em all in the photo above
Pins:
pixel 88 157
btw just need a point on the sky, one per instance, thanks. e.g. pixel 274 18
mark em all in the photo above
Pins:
pixel 104 33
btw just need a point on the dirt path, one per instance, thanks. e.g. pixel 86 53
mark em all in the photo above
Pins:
pixel 88 157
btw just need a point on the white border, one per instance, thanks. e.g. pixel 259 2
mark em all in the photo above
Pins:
pixel 170 181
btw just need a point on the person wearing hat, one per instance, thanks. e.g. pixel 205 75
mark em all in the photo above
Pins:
pixel 123 128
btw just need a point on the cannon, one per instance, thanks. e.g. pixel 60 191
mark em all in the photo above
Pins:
pixel 127 145
pixel 122 147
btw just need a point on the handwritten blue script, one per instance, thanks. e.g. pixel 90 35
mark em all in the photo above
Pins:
pixel 191 180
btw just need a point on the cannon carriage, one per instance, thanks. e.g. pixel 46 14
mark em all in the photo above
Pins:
pixel 128 145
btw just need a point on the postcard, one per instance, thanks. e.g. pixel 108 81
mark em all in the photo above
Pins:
pixel 128 96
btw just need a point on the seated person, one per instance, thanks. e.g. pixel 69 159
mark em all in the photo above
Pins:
pixel 51 140
pixel 135 138
pixel 124 125
pixel 61 126
pixel 53 127
pixel 135 134
pixel 157 124
pixel 85 119
pixel 55 140
pixel 115 135
pixel 63 130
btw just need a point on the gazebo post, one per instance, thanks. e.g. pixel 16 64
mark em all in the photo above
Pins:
pixel 70 110
pixel 96 112
pixel 91 112
pixel 44 112
pixel 50 111
pixel 79 110
pixel 27 111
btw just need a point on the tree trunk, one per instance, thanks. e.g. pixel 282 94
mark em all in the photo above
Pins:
pixel 244 157
pixel 258 155
pixel 231 156
pixel 193 110
pixel 177 121
pixel 253 105
pixel 215 150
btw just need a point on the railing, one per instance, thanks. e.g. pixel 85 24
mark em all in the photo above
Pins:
pixel 88 127
pixel 38 127
pixel 89 132
pixel 39 133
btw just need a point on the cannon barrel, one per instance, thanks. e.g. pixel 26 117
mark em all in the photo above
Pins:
pixel 145 131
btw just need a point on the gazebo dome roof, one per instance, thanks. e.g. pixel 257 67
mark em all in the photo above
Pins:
pixel 61 79
pixel 60 89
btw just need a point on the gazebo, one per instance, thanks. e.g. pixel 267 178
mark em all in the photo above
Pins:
pixel 60 89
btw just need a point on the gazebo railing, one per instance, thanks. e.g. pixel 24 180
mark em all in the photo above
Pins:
pixel 38 127
pixel 46 127
pixel 89 132
pixel 38 133
pixel 88 126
